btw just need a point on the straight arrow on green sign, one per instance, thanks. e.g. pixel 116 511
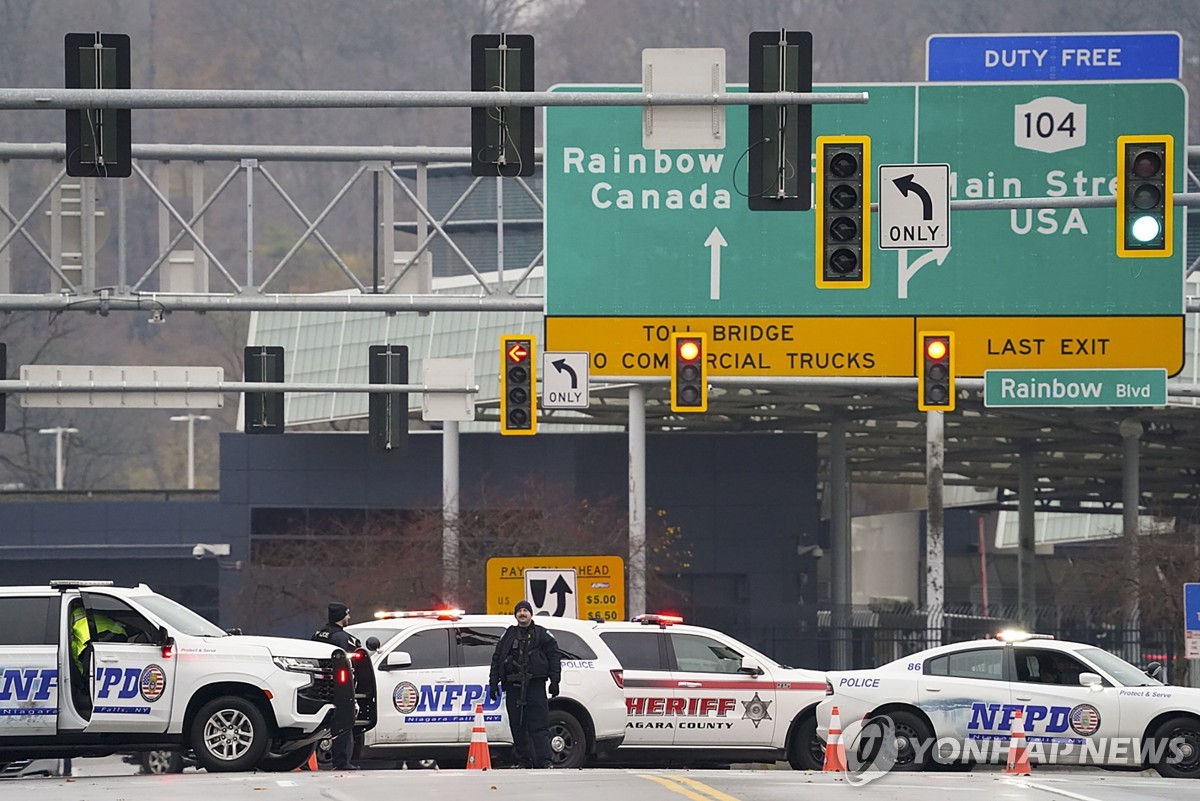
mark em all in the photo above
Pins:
pixel 1074 388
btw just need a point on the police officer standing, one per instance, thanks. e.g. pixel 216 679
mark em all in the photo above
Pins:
pixel 526 658
pixel 334 633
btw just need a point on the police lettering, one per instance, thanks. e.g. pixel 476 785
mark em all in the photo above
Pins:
pixel 691 707
pixel 27 684
pixel 125 681
pixel 449 697
pixel 848 682
pixel 999 717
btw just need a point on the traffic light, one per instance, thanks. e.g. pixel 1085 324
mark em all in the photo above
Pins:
pixel 780 136
pixel 843 212
pixel 1145 166
pixel 264 410
pixel 501 136
pixel 387 412
pixel 98 139
pixel 689 373
pixel 518 383
pixel 935 381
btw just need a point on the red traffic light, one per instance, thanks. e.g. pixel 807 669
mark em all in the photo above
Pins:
pixel 689 349
pixel 936 349
pixel 517 351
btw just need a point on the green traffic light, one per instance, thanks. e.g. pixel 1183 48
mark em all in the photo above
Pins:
pixel 1146 228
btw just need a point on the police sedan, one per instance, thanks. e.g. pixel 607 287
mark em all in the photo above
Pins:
pixel 958 704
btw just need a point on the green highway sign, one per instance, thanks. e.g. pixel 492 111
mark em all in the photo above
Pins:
pixel 669 233
pixel 1075 388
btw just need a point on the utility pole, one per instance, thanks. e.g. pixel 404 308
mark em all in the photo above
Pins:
pixel 59 466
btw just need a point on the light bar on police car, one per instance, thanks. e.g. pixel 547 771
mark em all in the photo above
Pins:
pixel 658 620
pixel 1016 635
pixel 434 614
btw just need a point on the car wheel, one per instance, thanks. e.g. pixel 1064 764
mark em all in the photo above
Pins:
pixel 912 741
pixel 568 744
pixel 280 763
pixel 807 751
pixel 1176 744
pixel 229 734
pixel 161 762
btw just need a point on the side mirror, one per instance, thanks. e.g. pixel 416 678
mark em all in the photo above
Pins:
pixel 162 635
pixel 1092 681
pixel 1154 670
pixel 751 666
pixel 396 660
pixel 236 632
pixel 372 643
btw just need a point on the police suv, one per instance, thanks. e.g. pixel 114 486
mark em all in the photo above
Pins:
pixel 89 669
pixel 695 695
pixel 1079 705
pixel 432 670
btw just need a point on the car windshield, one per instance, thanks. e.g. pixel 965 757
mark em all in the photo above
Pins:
pixel 1118 668
pixel 178 617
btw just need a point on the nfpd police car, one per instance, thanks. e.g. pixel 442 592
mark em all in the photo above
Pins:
pixel 87 668
pixel 1078 704
pixel 432 669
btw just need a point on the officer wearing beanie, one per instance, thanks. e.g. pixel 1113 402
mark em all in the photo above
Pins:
pixel 334 633
pixel 527 663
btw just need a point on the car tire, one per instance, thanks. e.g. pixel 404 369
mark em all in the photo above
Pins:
pixel 1177 736
pixel 807 750
pixel 910 730
pixel 568 743
pixel 161 762
pixel 229 734
pixel 281 763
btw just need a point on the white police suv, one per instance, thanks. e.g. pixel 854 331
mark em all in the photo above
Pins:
pixel 1079 705
pixel 432 670
pixel 152 674
pixel 695 696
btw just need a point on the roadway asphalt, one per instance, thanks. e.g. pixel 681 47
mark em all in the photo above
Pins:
pixel 602 785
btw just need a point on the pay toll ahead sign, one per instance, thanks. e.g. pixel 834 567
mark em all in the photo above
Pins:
pixel 587 586
pixel 638 238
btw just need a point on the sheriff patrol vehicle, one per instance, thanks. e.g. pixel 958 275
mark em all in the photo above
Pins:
pixel 1079 705
pixel 694 695
pixel 432 670
pixel 89 669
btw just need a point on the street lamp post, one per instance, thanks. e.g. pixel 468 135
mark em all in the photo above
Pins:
pixel 59 467
pixel 191 421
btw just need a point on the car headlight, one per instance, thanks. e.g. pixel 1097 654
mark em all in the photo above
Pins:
pixel 298 664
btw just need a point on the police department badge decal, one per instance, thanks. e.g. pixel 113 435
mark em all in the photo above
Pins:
pixel 756 710
pixel 152 683
pixel 1085 720
pixel 405 697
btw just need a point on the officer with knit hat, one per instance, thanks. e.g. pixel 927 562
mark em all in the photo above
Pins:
pixel 527 663
pixel 334 633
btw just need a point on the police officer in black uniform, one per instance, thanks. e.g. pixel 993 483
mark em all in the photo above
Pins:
pixel 335 634
pixel 525 660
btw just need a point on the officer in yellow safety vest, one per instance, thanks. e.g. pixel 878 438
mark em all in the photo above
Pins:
pixel 81 635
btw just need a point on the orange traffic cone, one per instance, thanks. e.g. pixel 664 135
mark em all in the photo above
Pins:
pixel 835 752
pixel 311 764
pixel 1018 755
pixel 479 757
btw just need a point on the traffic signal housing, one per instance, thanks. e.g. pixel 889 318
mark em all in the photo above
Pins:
pixel 935 380
pixel 387 412
pixel 264 410
pixel 99 140
pixel 780 136
pixel 843 212
pixel 502 136
pixel 1145 166
pixel 518 383
pixel 689 373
